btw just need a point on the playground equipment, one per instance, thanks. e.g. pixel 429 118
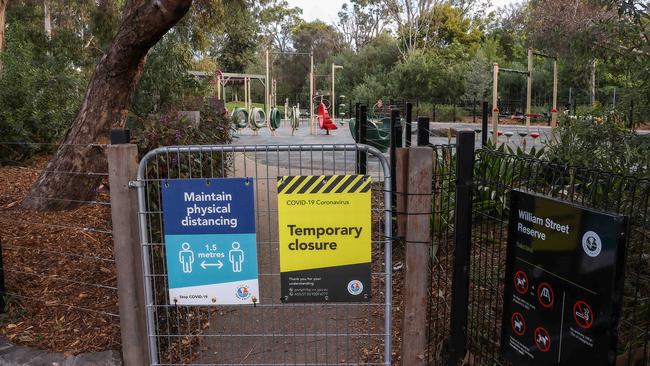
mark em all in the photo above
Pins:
pixel 270 96
pixel 509 135
pixel 275 118
pixel 324 119
pixel 529 87
pixel 257 119
pixel 295 119
pixel 240 118
pixel 377 134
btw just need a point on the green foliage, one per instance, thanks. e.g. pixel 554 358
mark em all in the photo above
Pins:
pixel 40 88
pixel 369 66
pixel 237 45
pixel 165 83
pixel 370 90
pixel 437 74
pixel 603 143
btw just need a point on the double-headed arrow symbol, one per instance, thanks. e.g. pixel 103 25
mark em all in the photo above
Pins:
pixel 218 264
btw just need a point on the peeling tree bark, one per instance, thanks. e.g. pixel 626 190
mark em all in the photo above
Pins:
pixel 108 96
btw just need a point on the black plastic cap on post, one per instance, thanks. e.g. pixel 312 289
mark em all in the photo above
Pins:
pixel 423 131
pixel 120 136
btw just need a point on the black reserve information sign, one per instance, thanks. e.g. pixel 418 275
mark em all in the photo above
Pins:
pixel 563 286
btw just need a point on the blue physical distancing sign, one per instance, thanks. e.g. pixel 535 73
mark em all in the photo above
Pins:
pixel 211 246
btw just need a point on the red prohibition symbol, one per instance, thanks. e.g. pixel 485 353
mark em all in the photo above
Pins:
pixel 542 339
pixel 583 315
pixel 521 282
pixel 545 295
pixel 518 324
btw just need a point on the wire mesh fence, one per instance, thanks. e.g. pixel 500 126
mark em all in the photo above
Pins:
pixel 269 332
pixel 442 251
pixel 495 175
pixel 59 273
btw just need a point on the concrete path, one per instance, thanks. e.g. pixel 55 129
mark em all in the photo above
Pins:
pixel 12 355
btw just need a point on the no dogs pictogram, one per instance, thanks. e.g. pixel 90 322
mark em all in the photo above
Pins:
pixel 521 282
pixel 542 339
pixel 518 324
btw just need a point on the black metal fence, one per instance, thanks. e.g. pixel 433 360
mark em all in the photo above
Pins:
pixel 480 309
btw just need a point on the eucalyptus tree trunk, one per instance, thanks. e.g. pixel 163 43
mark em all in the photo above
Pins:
pixel 3 17
pixel 47 22
pixel 107 98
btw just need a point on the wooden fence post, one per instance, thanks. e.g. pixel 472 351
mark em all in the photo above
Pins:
pixel 418 238
pixel 122 168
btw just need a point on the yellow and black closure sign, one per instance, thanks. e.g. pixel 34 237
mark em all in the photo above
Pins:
pixel 325 238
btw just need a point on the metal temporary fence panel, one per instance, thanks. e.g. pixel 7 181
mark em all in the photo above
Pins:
pixel 269 332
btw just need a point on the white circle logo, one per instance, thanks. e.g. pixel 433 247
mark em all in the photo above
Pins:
pixel 355 287
pixel 591 244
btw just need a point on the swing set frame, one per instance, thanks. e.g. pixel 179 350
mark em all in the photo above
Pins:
pixel 529 88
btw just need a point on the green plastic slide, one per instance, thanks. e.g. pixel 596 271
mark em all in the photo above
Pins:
pixel 377 133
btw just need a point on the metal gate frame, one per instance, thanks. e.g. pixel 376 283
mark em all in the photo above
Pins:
pixel 141 185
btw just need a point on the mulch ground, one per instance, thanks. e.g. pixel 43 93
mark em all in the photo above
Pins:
pixel 59 271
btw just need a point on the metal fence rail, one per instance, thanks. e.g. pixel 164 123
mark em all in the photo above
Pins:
pixel 271 332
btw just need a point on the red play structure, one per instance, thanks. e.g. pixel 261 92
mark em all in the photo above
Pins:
pixel 324 120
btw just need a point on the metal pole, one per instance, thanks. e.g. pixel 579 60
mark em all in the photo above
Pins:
pixel 395 142
pixel 361 131
pixel 484 124
pixel 423 131
pixel 407 125
pixel 311 94
pixel 529 86
pixel 267 96
pixel 462 247
pixel 218 86
pixel 333 95
pixel 495 107
pixel 554 109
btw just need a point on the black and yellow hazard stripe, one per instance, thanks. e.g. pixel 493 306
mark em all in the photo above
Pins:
pixel 315 184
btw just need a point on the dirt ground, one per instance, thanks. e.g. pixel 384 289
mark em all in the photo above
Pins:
pixel 59 272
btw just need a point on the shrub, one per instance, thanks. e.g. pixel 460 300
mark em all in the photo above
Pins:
pixel 158 130
pixel 601 143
